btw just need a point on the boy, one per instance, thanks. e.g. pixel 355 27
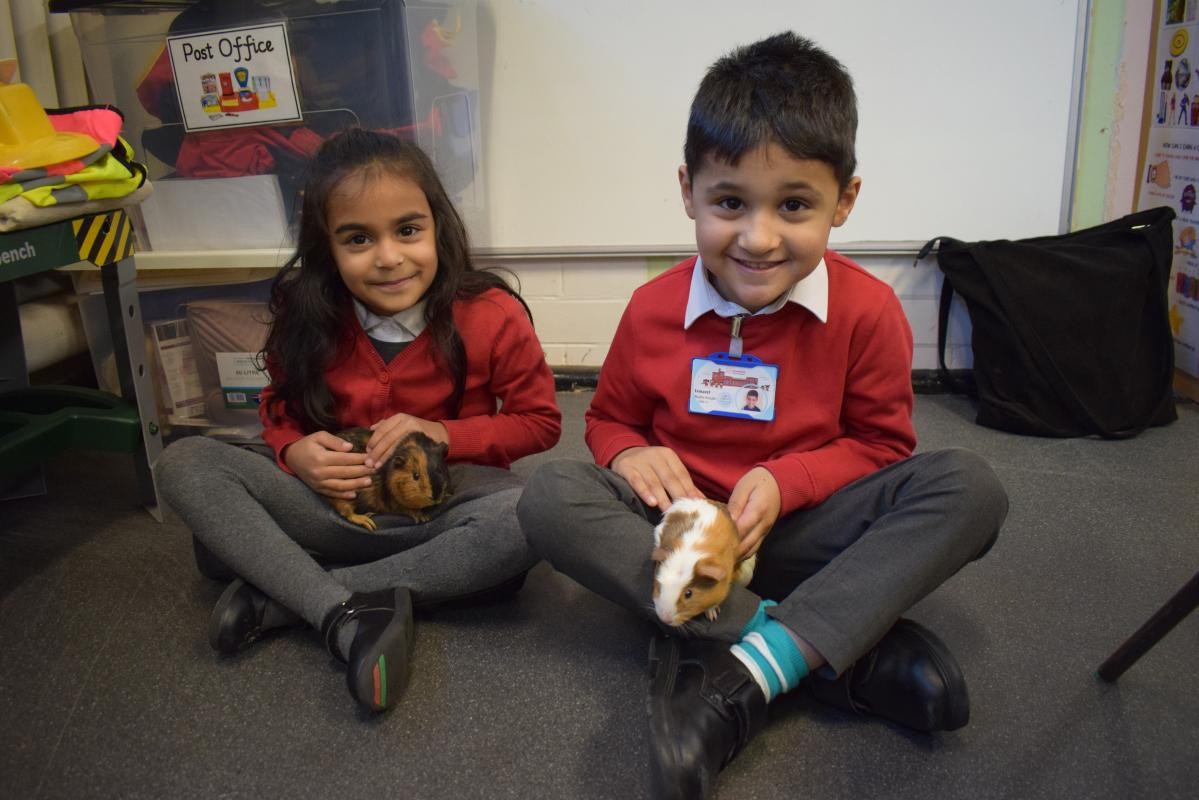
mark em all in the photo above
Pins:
pixel 849 527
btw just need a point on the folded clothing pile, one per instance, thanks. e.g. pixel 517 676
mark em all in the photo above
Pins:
pixel 61 163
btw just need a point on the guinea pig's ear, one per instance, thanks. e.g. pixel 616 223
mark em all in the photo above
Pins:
pixel 707 569
pixel 442 447
pixel 658 555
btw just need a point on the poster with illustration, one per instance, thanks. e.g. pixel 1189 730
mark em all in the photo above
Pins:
pixel 234 78
pixel 1169 161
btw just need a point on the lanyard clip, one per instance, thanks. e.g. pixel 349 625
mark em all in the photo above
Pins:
pixel 735 335
pixel 736 321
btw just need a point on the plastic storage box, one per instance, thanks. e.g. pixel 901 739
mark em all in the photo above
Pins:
pixel 225 100
pixel 203 333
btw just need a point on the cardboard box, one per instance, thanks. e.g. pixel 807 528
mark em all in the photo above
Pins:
pixel 189 326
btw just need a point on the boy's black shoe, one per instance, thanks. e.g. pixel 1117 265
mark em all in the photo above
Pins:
pixel 909 678
pixel 237 618
pixel 704 707
pixel 380 657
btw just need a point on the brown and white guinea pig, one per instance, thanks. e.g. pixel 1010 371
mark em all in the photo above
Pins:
pixel 414 479
pixel 695 547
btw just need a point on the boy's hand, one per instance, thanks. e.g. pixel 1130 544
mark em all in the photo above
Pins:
pixel 323 461
pixel 656 474
pixel 754 505
pixel 388 432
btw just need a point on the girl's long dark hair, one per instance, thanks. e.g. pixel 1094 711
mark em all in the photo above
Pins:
pixel 309 302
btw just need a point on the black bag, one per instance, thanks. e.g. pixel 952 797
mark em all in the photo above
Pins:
pixel 1070 333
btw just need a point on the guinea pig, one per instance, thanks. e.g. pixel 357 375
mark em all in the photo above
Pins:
pixel 695 548
pixel 414 479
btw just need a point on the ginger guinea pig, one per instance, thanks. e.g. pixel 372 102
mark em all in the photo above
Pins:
pixel 695 547
pixel 412 481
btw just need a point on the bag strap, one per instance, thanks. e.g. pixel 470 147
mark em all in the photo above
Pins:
pixel 1049 368
pixel 927 248
pixel 943 310
pixel 943 327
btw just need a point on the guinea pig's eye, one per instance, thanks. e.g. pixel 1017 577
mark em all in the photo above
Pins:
pixel 687 594
pixel 415 475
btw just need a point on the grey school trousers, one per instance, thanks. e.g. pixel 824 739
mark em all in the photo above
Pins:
pixel 842 572
pixel 267 525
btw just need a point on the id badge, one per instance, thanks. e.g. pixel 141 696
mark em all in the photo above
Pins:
pixel 724 386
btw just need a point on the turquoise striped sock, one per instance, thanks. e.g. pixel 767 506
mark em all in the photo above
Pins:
pixel 770 654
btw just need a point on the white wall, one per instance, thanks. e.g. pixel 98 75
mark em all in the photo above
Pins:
pixel 577 303
pixel 964 109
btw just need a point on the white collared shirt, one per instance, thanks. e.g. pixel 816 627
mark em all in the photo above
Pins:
pixel 811 293
pixel 402 327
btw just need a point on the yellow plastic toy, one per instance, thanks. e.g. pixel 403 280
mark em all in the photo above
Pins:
pixel 27 139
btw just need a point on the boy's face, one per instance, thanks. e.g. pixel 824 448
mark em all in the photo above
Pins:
pixel 763 225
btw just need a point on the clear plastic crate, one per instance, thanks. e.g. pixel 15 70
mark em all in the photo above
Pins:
pixel 222 90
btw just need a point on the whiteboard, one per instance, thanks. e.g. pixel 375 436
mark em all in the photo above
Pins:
pixel 964 113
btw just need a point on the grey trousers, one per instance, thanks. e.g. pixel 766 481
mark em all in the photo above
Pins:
pixel 267 526
pixel 842 572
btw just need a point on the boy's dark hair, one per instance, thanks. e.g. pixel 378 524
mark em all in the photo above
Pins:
pixel 309 301
pixel 782 89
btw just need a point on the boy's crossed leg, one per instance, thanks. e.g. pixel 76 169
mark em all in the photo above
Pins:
pixel 708 695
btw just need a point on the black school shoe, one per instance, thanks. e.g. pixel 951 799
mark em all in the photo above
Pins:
pixel 909 678
pixel 704 707
pixel 380 658
pixel 236 620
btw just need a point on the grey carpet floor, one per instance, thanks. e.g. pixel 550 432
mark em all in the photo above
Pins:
pixel 108 687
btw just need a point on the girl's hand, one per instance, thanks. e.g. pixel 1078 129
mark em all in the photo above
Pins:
pixel 388 432
pixel 754 506
pixel 325 463
pixel 656 474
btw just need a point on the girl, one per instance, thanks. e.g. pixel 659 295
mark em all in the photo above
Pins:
pixel 379 320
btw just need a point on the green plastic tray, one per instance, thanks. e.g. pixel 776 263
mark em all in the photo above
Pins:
pixel 39 422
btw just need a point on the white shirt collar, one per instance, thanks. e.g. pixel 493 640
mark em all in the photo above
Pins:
pixel 402 327
pixel 811 293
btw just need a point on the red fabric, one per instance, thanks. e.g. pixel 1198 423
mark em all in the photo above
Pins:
pixel 158 79
pixel 232 152
pixel 844 401
pixel 504 362
pixel 304 141
pixel 435 51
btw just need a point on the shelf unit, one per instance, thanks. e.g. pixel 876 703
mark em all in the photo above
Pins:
pixel 36 423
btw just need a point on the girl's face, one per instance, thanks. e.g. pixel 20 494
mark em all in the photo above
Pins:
pixel 382 235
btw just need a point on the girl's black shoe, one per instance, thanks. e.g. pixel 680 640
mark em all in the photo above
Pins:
pixel 236 620
pixel 243 615
pixel 379 662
